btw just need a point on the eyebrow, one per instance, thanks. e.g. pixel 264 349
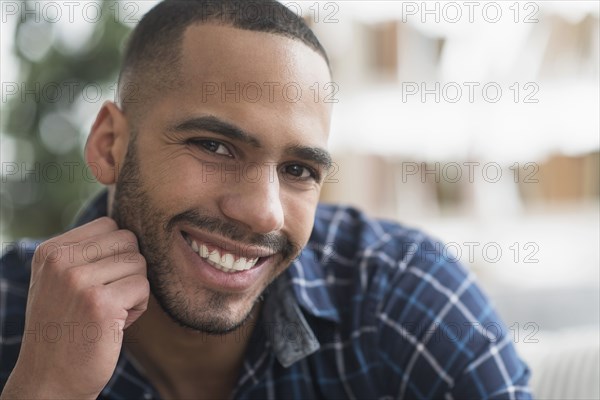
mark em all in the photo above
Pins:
pixel 215 125
pixel 316 155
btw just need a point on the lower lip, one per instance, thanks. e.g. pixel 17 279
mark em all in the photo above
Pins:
pixel 217 279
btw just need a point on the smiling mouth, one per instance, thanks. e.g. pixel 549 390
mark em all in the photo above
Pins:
pixel 220 259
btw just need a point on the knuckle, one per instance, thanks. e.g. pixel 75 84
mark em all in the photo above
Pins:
pixel 146 284
pixel 39 250
pixel 74 277
pixel 107 222
pixel 145 288
pixel 52 261
pixel 127 237
pixel 96 300
pixel 44 249
pixel 142 264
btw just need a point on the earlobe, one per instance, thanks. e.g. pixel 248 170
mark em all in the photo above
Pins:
pixel 106 145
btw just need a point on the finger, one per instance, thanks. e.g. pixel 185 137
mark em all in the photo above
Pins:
pixel 105 271
pixel 120 245
pixel 99 226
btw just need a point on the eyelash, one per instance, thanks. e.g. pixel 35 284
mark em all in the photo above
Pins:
pixel 201 143
pixel 314 174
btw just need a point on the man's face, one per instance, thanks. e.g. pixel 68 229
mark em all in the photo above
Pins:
pixel 222 181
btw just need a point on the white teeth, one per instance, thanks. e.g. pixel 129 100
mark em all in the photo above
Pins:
pixel 224 262
pixel 227 260
pixel 215 257
pixel 240 264
pixel 203 251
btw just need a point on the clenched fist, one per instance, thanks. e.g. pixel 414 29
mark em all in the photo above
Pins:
pixel 86 286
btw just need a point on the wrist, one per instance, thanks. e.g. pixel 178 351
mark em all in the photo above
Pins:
pixel 23 384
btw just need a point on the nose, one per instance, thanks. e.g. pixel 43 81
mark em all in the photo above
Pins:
pixel 256 204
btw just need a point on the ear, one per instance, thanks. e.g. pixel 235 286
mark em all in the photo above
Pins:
pixel 107 143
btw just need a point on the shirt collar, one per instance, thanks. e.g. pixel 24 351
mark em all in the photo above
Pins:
pixel 303 285
pixel 309 283
pixel 285 325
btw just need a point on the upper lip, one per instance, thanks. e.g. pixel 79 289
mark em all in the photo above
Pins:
pixel 227 246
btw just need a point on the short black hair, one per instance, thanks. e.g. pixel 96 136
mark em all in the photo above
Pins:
pixel 153 52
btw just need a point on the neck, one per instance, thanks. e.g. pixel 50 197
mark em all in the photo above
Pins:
pixel 173 357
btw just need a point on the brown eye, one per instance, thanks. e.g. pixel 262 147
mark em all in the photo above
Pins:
pixel 214 147
pixel 299 172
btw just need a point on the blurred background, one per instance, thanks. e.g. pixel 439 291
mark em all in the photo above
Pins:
pixel 476 121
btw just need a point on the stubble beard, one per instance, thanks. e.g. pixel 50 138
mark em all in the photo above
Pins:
pixel 133 209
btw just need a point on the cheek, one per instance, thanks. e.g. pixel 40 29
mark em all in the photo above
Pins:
pixel 181 183
pixel 299 211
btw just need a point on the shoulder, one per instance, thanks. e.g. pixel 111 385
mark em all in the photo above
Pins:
pixel 346 236
pixel 383 254
pixel 15 261
pixel 15 268
pixel 390 270
pixel 433 327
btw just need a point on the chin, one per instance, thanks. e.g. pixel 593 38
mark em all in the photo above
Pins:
pixel 204 310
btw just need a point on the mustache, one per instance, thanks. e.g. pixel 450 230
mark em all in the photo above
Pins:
pixel 275 242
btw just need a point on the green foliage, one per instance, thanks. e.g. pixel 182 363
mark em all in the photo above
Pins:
pixel 48 124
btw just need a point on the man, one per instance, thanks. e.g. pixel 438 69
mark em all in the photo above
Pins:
pixel 207 269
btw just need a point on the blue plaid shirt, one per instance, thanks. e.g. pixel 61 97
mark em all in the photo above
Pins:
pixel 370 310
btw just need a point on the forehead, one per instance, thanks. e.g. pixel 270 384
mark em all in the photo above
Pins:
pixel 223 52
pixel 257 80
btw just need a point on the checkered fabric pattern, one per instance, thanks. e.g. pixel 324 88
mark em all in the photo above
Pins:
pixel 370 310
